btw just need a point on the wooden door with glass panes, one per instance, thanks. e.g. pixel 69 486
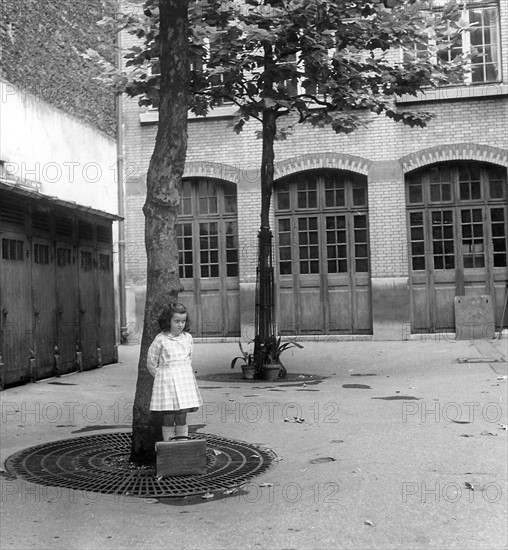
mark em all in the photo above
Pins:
pixel 106 295
pixel 44 305
pixel 207 234
pixel 16 328
pixel 89 328
pixel 67 295
pixel 67 301
pixel 457 216
pixel 322 254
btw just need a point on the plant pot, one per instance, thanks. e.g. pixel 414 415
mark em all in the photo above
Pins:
pixel 271 372
pixel 248 371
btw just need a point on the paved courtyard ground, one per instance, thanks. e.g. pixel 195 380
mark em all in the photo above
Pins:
pixel 402 445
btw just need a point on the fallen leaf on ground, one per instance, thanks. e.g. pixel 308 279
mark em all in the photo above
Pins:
pixel 323 459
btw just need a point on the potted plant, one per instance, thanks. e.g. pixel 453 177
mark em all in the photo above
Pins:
pixel 248 366
pixel 267 358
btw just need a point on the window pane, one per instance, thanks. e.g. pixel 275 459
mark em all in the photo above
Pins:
pixel 362 266
pixel 285 268
pixel 359 196
pixel 442 246
pixel 185 207
pixel 418 264
pixel 306 194
pixel 282 201
pixel 335 192
pixel 498 228
pixel 415 193
pixel 284 248
pixel 484 38
pixel 229 203
pixel 496 188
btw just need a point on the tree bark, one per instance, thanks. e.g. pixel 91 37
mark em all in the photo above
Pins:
pixel 161 208
pixel 266 305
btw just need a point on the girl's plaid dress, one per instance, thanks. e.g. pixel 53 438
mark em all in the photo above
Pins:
pixel 169 361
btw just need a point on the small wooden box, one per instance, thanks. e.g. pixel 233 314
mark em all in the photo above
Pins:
pixel 181 456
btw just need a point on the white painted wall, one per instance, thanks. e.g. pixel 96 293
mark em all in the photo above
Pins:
pixel 45 148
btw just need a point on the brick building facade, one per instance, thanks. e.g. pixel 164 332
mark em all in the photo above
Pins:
pixel 375 232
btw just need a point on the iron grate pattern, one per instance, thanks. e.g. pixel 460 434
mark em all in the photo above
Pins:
pixel 99 463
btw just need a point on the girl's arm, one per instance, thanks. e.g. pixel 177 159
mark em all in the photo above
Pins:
pixel 152 358
pixel 191 347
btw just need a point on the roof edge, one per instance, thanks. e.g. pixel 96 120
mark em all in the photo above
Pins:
pixel 34 194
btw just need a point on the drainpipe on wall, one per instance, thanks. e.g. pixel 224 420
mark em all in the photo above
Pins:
pixel 121 196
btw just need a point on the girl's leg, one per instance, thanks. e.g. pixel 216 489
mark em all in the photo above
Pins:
pixel 181 424
pixel 168 426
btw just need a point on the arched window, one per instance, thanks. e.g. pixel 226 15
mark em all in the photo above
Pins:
pixel 322 253
pixel 207 235
pixel 457 214
pixel 322 223
pixel 457 217
pixel 208 229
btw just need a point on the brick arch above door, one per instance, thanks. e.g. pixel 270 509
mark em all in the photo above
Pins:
pixel 312 161
pixel 213 170
pixel 454 152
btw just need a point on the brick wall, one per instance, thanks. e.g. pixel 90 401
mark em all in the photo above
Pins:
pixel 248 227
pixel 462 118
pixel 387 229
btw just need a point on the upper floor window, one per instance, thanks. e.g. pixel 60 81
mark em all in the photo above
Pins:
pixel 206 58
pixel 480 40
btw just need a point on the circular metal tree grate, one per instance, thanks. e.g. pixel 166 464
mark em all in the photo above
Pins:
pixel 100 463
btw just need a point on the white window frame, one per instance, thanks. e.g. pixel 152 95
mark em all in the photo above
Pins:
pixel 466 38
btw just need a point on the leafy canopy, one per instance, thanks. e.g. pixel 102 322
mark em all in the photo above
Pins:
pixel 329 62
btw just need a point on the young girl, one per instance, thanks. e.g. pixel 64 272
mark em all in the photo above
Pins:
pixel 175 391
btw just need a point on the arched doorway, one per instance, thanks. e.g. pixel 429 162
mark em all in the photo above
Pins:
pixel 322 253
pixel 457 214
pixel 207 234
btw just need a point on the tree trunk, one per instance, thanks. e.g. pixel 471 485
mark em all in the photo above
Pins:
pixel 161 209
pixel 265 275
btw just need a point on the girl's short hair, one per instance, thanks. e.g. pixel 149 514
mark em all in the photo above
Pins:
pixel 167 314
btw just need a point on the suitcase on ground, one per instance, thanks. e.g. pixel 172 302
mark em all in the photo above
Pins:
pixel 181 456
